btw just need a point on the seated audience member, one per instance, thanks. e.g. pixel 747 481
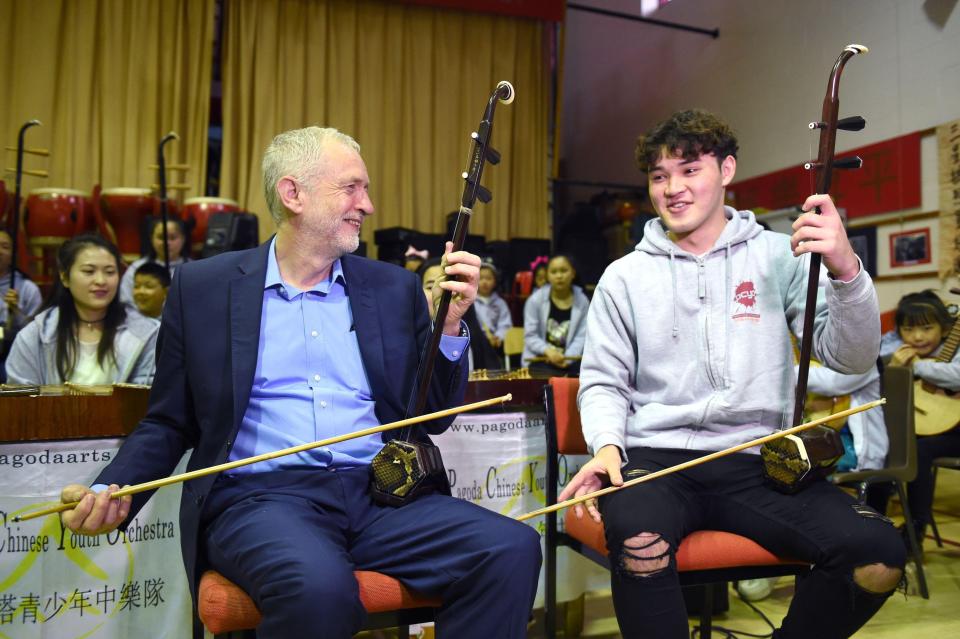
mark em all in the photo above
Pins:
pixel 84 335
pixel 492 310
pixel 150 285
pixel 923 323
pixel 554 322
pixel 539 268
pixel 864 435
pixel 179 253
pixel 19 304
pixel 481 353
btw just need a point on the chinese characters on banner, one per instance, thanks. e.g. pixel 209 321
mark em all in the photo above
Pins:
pixel 59 585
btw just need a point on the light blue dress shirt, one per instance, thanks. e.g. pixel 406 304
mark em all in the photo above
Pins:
pixel 310 383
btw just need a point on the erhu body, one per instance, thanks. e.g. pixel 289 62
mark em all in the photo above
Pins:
pixel 791 462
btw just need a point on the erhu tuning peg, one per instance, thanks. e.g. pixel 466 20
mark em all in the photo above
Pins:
pixel 483 194
pixel 493 156
pixel 853 123
pixel 848 163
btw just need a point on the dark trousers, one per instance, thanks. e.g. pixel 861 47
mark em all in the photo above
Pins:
pixel 920 490
pixel 292 540
pixel 821 524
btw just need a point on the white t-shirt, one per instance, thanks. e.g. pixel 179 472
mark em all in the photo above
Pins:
pixel 88 371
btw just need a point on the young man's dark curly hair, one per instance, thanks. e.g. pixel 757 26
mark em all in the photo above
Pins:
pixel 688 134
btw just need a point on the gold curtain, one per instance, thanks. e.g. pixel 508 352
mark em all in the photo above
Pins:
pixel 107 78
pixel 409 83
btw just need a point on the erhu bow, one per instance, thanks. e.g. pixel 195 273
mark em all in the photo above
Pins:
pixel 404 469
pixel 791 462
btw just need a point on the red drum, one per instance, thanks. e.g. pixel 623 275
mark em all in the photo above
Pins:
pixel 53 216
pixel 125 210
pixel 197 210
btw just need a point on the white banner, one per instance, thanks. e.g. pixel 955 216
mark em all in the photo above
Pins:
pixel 498 461
pixel 59 585
pixel 54 584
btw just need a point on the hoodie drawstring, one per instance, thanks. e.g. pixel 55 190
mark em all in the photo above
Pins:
pixel 673 282
pixel 728 321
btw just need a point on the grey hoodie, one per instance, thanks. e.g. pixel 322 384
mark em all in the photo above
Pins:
pixel 33 357
pixel 694 352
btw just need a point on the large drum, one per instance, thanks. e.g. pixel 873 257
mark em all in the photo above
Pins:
pixel 53 216
pixel 197 211
pixel 124 210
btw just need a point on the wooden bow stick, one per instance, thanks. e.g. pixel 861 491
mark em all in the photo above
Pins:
pixel 202 472
pixel 700 460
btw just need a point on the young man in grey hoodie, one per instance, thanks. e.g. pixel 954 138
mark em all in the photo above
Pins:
pixel 688 351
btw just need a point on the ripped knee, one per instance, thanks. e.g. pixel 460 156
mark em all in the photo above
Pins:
pixel 644 555
pixel 877 578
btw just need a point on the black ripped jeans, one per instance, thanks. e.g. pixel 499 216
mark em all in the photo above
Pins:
pixel 821 524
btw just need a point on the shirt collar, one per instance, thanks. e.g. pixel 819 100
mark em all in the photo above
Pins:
pixel 273 279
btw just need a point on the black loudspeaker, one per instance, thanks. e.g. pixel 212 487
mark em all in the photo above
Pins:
pixel 230 232
pixel 393 242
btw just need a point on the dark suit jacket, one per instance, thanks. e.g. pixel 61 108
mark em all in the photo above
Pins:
pixel 207 355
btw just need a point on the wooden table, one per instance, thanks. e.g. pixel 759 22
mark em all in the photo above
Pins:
pixel 59 417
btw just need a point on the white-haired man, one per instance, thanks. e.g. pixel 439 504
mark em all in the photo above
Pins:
pixel 296 341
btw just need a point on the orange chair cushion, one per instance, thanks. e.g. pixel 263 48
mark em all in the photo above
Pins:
pixel 567 417
pixel 701 550
pixel 224 607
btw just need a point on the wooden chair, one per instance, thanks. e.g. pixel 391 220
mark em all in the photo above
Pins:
pixel 901 465
pixel 512 343
pixel 706 557
pixel 227 611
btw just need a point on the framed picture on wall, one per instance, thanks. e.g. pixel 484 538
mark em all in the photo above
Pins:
pixel 907 248
pixel 864 243
pixel 910 248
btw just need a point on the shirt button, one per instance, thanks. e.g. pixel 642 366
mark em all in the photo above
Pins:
pixel 313 333
pixel 323 404
pixel 456 353
pixel 316 378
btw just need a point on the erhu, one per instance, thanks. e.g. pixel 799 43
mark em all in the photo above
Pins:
pixel 405 469
pixel 6 330
pixel 791 462
pixel 162 192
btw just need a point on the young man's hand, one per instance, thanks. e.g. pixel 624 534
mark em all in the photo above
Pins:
pixel 824 234
pixel 605 464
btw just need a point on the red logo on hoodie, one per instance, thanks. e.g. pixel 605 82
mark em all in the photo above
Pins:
pixel 745 297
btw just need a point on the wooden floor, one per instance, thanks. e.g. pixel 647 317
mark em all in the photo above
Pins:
pixel 903 616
